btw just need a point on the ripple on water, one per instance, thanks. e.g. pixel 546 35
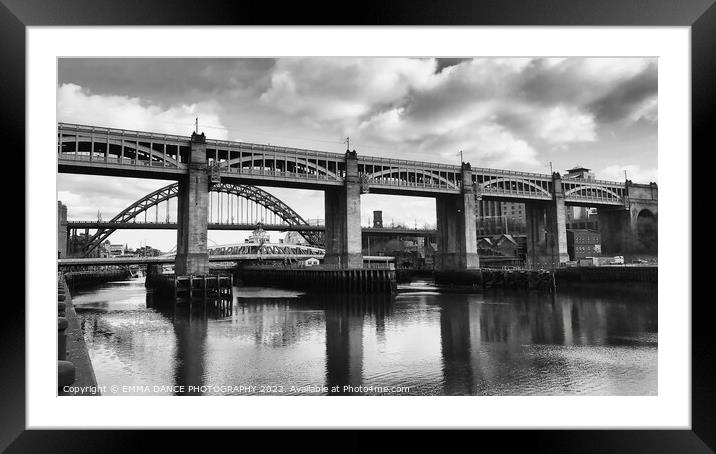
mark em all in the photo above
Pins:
pixel 434 343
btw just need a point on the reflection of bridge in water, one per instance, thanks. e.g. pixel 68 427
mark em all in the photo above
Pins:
pixel 478 346
pixel 203 166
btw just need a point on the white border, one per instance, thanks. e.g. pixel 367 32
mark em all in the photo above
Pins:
pixel 670 409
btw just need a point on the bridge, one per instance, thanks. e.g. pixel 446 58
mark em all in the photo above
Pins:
pixel 201 165
pixel 105 151
pixel 170 259
pixel 149 225
pixel 243 203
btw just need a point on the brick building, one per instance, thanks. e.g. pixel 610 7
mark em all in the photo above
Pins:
pixel 583 243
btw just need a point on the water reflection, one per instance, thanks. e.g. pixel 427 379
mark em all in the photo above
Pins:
pixel 580 341
pixel 345 319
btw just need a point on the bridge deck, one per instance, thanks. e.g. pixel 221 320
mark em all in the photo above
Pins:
pixel 106 151
pixel 212 258
pixel 235 226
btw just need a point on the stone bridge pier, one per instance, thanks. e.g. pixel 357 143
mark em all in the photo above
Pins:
pixel 342 213
pixel 547 229
pixel 192 256
pixel 457 228
pixel 632 228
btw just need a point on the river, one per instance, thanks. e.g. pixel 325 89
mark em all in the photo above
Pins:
pixel 598 340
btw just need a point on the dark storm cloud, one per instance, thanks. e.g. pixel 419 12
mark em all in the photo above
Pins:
pixel 167 81
pixel 448 62
pixel 625 98
pixel 611 91
pixel 544 83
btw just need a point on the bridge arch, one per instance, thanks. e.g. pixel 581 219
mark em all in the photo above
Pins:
pixel 394 171
pixel 116 148
pixel 168 192
pixel 583 191
pixel 497 181
pixel 260 163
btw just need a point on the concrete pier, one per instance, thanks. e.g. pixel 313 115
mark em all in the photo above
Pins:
pixel 547 229
pixel 193 215
pixel 631 228
pixel 342 212
pixel 457 228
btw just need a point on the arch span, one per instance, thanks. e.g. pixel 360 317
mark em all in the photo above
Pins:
pixel 247 192
pixel 537 189
pixel 424 173
pixel 584 191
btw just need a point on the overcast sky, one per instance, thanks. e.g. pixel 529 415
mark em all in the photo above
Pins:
pixel 516 113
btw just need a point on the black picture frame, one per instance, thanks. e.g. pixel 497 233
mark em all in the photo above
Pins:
pixel 700 15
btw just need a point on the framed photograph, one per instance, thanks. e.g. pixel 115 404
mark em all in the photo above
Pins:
pixel 413 217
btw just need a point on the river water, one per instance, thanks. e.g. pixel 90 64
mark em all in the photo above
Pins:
pixel 598 340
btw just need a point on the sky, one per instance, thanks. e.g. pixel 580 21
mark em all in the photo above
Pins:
pixel 512 113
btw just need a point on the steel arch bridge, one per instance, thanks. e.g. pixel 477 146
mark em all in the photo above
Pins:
pixel 251 193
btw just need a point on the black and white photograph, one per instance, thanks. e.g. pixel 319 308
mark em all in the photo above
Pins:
pixel 422 216
pixel 363 226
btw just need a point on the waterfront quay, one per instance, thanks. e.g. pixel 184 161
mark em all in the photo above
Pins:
pixel 378 278
pixel 74 367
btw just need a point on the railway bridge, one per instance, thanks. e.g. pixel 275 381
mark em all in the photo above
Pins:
pixel 200 165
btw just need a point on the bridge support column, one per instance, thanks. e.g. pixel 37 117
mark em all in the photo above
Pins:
pixel 547 229
pixel 631 228
pixel 457 228
pixel 615 230
pixel 192 213
pixel 342 212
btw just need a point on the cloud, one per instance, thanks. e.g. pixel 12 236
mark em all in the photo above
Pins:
pixel 168 81
pixel 627 99
pixel 634 172
pixel 514 113
pixel 329 89
pixel 78 105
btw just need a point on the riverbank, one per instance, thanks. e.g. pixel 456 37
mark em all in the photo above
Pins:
pixel 76 280
pixel 646 274
pixel 85 383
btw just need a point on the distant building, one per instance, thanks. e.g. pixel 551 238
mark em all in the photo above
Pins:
pixel 116 249
pixel 580 173
pixel 505 245
pixel 485 246
pixel 494 217
pixel 378 219
pixel 575 214
pixel 311 262
pixel 61 230
pixel 294 238
pixel 259 235
pixel 583 243
pixel 104 250
pixel 77 244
